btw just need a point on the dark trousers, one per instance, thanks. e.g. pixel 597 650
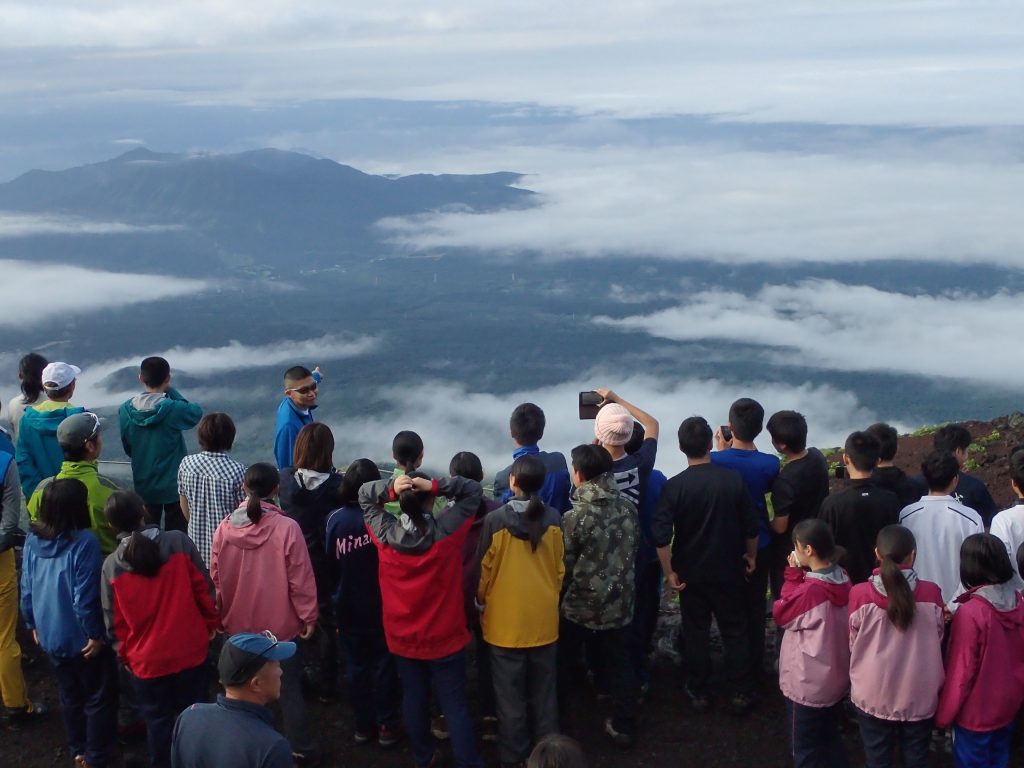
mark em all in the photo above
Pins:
pixel 319 654
pixel 484 678
pixel 881 737
pixel 160 700
pixel 88 702
pixel 293 707
pixel 173 519
pixel 612 650
pixel 697 604
pixel 374 690
pixel 981 749
pixel 814 735
pixel 448 678
pixel 527 698
pixel 757 610
pixel 645 615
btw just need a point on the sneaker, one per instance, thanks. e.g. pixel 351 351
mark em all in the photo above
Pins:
pixel 699 702
pixel 439 727
pixel 489 729
pixel 622 740
pixel 388 736
pixel 27 714
pixel 303 759
pixel 741 703
pixel 362 737
pixel 80 762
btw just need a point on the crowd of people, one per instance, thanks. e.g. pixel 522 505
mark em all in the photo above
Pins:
pixel 892 604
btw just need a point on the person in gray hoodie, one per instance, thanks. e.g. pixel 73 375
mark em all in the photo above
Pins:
pixel 151 433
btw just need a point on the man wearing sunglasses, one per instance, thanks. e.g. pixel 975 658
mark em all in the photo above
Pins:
pixel 301 387
pixel 238 731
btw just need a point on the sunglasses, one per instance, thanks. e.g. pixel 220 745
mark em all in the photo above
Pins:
pixel 306 390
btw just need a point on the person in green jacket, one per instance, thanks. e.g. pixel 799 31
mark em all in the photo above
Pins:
pixel 80 439
pixel 151 433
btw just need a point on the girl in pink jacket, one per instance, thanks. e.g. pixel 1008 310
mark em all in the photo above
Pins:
pixel 896 629
pixel 814 660
pixel 985 659
pixel 260 566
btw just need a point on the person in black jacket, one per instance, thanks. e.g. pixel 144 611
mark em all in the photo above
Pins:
pixel 886 474
pixel 858 512
pixel 969 491
pixel 309 492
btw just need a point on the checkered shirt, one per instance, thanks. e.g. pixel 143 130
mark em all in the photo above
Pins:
pixel 212 485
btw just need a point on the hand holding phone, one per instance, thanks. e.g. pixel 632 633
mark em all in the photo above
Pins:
pixel 590 404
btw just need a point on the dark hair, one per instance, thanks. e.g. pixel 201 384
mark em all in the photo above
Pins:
pixel 636 439
pixel 359 473
pixel 816 534
pixel 888 440
pixel 746 417
pixel 983 560
pixel 260 481
pixel 788 428
pixel 406 449
pixel 940 469
pixel 951 437
pixel 1020 558
pixel 126 513
pixel 695 437
pixel 411 502
pixel 30 371
pixel 557 751
pixel 78 452
pixel 57 394
pixel 1017 468
pixel 216 432
pixel 862 448
pixel 154 371
pixel 529 472
pixel 466 464
pixel 527 424
pixel 64 508
pixel 314 448
pixel 895 544
pixel 296 373
pixel 591 460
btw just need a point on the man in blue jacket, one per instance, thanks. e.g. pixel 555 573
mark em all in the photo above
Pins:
pixel 301 387
pixel 38 452
pixel 238 731
pixel 151 433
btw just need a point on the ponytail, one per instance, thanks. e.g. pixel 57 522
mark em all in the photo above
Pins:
pixel 529 472
pixel 411 503
pixel 126 513
pixel 895 545
pixel 261 480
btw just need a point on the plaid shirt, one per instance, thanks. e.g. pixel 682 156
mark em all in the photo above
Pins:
pixel 212 485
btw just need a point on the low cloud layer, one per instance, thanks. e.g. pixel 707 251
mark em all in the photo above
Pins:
pixel 452 418
pixel 32 292
pixel 829 325
pixel 28 225
pixel 689 203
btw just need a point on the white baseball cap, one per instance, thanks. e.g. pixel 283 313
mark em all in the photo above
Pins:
pixel 59 375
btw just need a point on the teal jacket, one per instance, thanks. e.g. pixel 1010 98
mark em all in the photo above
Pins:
pixel 151 427
pixel 38 453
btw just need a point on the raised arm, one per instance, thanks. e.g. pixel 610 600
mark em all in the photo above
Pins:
pixel 467 495
pixel 377 519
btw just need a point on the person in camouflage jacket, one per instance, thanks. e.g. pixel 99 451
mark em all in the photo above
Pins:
pixel 601 534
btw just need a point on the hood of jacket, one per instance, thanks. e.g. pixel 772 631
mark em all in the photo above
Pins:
pixel 1003 598
pixel 46 422
pixel 151 532
pixel 241 532
pixel 515 517
pixel 908 573
pixel 148 409
pixel 51 548
pixel 836 582
pixel 598 490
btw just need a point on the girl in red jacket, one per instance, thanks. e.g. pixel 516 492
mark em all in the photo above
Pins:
pixel 985 660
pixel 158 606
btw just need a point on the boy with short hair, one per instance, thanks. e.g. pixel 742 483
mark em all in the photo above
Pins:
pixel 526 426
pixel 1008 525
pixel 858 512
pixel 759 470
pixel 38 452
pixel 886 474
pixel 969 490
pixel 151 434
pixel 301 389
pixel 940 524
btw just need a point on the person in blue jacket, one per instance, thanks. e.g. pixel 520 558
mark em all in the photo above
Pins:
pixel 301 388
pixel 60 602
pixel 38 452
pixel 526 425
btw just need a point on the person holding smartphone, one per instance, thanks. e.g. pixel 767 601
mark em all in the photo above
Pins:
pixel 613 429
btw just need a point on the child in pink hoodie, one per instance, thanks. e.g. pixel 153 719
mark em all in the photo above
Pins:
pixel 985 659
pixel 264 579
pixel 814 660
pixel 896 628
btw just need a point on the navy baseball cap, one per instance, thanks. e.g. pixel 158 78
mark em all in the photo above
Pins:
pixel 244 654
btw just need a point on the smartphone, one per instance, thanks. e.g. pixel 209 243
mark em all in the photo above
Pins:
pixel 590 404
pixel 840 472
pixel 726 433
